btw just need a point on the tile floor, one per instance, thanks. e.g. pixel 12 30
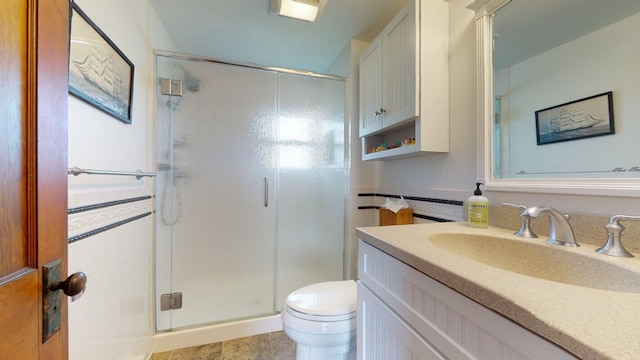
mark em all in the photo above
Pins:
pixel 271 346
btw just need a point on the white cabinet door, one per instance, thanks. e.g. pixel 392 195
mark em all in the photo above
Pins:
pixel 400 44
pixel 383 335
pixel 371 88
pixel 389 74
pixel 404 84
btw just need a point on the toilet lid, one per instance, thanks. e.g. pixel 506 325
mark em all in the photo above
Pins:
pixel 326 298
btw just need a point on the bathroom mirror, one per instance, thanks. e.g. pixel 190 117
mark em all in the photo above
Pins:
pixel 559 91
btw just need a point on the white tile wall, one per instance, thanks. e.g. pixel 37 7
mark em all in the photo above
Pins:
pixel 113 319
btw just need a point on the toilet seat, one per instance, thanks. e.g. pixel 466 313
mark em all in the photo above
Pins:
pixel 321 318
pixel 326 300
pixel 317 326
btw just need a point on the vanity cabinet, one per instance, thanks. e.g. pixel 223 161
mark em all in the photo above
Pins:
pixel 404 83
pixel 404 314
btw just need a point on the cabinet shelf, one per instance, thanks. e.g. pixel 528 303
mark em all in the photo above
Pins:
pixel 425 143
pixel 402 151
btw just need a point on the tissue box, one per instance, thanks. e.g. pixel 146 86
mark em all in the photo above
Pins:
pixel 403 216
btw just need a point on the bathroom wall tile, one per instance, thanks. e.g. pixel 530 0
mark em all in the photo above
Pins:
pixel 105 194
pixel 72 200
pixel 77 253
pixel 356 194
pixel 96 295
pixel 104 249
pixel 79 350
pixel 113 318
pixel 356 218
pixel 103 351
pixel 122 323
pixel 438 210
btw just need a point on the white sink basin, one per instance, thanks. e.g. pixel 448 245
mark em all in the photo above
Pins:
pixel 573 266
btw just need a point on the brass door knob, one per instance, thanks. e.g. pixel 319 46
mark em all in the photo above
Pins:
pixel 74 285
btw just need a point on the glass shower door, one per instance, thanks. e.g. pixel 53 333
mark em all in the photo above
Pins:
pixel 311 173
pixel 217 231
pixel 250 189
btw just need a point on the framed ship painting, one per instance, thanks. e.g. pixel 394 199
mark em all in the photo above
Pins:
pixel 584 118
pixel 99 73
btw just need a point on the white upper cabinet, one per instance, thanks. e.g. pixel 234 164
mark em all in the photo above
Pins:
pixel 400 67
pixel 371 88
pixel 404 84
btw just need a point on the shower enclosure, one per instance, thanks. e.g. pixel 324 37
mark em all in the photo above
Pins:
pixel 250 188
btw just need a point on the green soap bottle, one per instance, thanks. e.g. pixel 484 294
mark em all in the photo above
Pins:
pixel 478 209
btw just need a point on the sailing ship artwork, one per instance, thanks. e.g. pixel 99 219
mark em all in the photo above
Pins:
pixel 584 118
pixel 99 73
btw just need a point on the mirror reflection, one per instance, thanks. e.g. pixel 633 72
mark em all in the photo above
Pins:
pixel 566 88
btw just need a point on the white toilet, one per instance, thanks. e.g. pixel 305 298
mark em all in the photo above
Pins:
pixel 321 319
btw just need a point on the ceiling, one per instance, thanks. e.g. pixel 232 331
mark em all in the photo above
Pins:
pixel 244 31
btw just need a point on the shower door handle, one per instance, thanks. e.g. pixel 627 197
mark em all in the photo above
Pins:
pixel 266 191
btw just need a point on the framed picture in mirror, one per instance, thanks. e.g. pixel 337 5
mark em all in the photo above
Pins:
pixel 579 119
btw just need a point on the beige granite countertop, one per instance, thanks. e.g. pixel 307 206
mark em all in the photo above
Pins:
pixel 589 323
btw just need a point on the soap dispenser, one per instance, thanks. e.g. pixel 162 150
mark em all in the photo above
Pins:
pixel 478 209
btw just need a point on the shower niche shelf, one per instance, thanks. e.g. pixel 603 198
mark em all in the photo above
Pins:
pixel 404 84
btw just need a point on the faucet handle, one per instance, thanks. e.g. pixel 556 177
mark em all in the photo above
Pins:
pixel 521 207
pixel 525 227
pixel 614 246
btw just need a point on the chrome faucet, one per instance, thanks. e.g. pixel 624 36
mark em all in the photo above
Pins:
pixel 560 231
pixel 525 219
pixel 614 246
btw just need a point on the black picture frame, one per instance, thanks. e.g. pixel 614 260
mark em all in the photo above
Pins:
pixel 99 73
pixel 584 118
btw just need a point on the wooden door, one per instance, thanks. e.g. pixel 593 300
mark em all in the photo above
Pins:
pixel 34 38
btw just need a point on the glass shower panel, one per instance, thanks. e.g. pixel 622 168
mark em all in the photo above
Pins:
pixel 311 175
pixel 221 215
pixel 166 210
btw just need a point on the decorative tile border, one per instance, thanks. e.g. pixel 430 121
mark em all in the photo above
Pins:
pixel 105 204
pixel 105 228
pixel 89 220
pixel 440 210
pixel 417 198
